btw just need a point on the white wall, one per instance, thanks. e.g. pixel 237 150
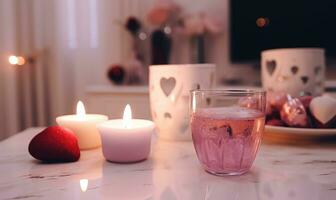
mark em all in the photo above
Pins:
pixel 33 94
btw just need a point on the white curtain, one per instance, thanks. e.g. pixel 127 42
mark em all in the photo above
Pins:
pixel 61 38
pixel 33 94
pixel 8 86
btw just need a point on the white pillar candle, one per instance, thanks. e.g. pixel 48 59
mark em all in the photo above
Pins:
pixel 127 139
pixel 84 126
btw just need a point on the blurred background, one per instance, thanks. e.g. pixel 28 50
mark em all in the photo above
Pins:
pixel 56 52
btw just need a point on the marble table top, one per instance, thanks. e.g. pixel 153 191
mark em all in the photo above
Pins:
pixel 171 172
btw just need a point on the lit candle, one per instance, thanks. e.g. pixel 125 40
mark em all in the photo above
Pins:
pixel 84 126
pixel 127 139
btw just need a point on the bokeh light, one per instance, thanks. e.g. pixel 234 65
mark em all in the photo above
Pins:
pixel 16 60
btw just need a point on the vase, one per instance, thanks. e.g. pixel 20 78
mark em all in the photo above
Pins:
pixel 160 47
pixel 197 49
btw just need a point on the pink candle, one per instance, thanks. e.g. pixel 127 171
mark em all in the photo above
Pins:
pixel 127 139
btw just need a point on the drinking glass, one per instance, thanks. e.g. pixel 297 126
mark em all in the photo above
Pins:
pixel 227 128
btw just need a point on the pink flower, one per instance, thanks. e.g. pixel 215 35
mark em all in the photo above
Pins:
pixel 200 23
pixel 158 16
pixel 194 25
pixel 168 4
pixel 161 12
pixel 212 24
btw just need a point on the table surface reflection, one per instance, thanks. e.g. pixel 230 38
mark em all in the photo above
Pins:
pixel 171 172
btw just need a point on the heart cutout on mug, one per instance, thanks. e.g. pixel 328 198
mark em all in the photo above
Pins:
pixel 317 70
pixel 271 65
pixel 167 85
pixel 294 69
pixel 167 115
pixel 304 79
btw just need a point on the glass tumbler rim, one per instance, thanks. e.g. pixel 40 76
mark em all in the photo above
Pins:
pixel 229 91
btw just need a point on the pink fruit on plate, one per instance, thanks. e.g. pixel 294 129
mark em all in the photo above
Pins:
pixel 276 99
pixel 305 100
pixel 294 114
pixel 323 109
pixel 271 112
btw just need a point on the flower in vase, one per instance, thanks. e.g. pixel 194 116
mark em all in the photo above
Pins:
pixel 116 74
pixel 212 24
pixel 162 11
pixel 201 23
pixel 194 25
pixel 133 25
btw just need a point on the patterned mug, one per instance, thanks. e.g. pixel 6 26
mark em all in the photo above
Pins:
pixel 294 70
pixel 169 87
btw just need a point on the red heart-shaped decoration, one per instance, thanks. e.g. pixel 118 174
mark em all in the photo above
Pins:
pixel 55 144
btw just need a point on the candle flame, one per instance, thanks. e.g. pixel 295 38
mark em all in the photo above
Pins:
pixel 84 184
pixel 127 118
pixel 80 110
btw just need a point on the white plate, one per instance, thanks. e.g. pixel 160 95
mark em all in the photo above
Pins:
pixel 300 131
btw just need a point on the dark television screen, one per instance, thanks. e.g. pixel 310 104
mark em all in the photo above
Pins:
pixel 257 25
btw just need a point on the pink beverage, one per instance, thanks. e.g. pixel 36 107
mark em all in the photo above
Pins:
pixel 227 139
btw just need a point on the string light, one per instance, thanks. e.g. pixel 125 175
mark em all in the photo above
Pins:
pixel 16 60
pixel 21 60
pixel 262 22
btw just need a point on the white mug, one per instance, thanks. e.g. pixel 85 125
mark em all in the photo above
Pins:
pixel 169 87
pixel 294 70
